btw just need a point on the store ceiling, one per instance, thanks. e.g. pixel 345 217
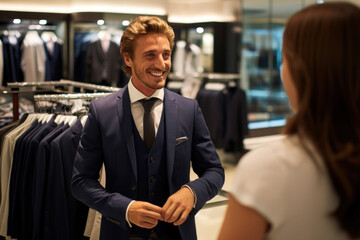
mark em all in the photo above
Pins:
pixel 176 10
pixel 203 10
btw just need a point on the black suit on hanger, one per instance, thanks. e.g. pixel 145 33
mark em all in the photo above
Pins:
pixel 212 106
pixel 54 62
pixel 40 178
pixel 65 216
pixel 103 68
pixel 11 54
pixel 236 126
pixel 28 175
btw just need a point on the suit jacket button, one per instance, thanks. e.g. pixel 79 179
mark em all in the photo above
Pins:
pixel 152 178
pixel 152 159
pixel 133 187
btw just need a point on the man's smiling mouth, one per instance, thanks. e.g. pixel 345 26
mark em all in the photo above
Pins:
pixel 157 74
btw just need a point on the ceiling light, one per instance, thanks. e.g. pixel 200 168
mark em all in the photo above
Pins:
pixel 199 30
pixel 42 22
pixel 100 22
pixel 17 21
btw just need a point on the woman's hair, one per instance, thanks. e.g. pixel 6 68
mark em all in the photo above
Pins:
pixel 141 26
pixel 321 43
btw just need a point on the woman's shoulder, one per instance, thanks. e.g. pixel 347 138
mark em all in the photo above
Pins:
pixel 288 151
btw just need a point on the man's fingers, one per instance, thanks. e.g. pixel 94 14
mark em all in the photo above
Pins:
pixel 180 213
pixel 178 206
pixel 168 211
pixel 144 214
pixel 154 211
pixel 182 218
pixel 148 223
pixel 153 215
pixel 153 208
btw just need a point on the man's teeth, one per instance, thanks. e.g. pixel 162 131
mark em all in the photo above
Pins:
pixel 157 74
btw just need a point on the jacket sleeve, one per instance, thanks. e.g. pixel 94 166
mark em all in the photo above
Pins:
pixel 205 162
pixel 85 180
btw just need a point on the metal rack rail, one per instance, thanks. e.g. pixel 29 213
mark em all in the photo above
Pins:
pixel 62 86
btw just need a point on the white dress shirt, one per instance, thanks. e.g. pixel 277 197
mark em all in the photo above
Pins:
pixel 137 109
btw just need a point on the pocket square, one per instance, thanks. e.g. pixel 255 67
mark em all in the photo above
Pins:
pixel 181 139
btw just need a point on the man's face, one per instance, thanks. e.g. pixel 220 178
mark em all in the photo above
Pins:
pixel 151 62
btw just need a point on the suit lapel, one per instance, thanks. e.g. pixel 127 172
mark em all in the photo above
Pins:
pixel 124 113
pixel 171 116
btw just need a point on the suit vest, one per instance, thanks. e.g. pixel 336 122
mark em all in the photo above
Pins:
pixel 152 181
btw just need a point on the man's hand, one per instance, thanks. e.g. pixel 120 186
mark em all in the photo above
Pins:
pixel 144 214
pixel 178 206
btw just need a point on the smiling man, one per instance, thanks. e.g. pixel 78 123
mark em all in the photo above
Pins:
pixel 148 138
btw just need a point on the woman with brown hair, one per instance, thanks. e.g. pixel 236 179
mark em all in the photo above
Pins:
pixel 307 185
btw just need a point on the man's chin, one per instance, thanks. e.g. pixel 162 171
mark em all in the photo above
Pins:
pixel 160 85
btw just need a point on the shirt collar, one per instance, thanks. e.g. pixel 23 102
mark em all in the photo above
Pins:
pixel 135 95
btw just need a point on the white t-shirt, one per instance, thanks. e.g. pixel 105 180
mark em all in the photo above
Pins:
pixel 283 183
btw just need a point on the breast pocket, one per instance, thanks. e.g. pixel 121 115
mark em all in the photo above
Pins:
pixel 181 140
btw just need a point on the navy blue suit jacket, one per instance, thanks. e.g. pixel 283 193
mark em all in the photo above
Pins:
pixel 54 62
pixel 26 193
pixel 108 138
pixel 65 217
pixel 40 178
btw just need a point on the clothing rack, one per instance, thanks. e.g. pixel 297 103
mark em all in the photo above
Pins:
pixel 54 85
pixel 62 86
pixel 67 97
pixel 28 27
pixel 55 97
pixel 230 79
pixel 224 77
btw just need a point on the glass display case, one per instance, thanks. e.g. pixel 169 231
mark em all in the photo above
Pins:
pixel 263 26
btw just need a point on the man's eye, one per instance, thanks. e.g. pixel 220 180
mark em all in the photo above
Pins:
pixel 150 55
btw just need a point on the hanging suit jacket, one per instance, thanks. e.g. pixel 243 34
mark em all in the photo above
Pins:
pixel 108 138
pixel 40 181
pixel 11 64
pixel 26 193
pixel 54 62
pixel 60 206
pixel 103 68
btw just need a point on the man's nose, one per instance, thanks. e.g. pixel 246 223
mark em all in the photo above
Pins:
pixel 161 62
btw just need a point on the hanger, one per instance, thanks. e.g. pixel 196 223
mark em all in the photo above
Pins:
pixel 83 119
pixel 72 120
pixel 49 36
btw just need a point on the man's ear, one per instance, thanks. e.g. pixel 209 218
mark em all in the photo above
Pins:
pixel 127 59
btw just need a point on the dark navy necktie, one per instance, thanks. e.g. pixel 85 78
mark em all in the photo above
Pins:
pixel 149 126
